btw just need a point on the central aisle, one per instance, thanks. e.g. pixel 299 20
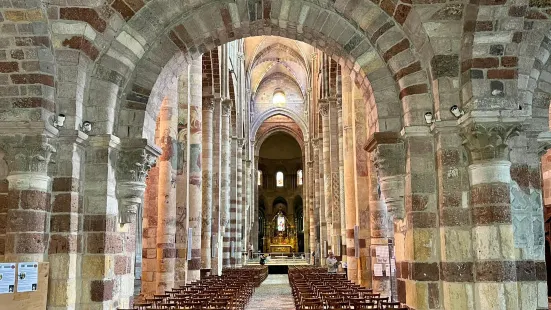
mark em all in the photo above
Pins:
pixel 273 293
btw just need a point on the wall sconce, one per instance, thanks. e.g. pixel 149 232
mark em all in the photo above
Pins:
pixel 59 121
pixel 428 118
pixel 456 111
pixel 86 127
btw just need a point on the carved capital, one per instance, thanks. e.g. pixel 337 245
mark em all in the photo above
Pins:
pixel 488 141
pixel 544 143
pixel 133 164
pixel 208 104
pixel 323 107
pixel 240 142
pixel 28 153
pixel 310 164
pixel 226 106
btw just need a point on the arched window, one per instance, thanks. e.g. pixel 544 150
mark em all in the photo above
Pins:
pixel 259 181
pixel 279 179
pixel 299 177
pixel 279 98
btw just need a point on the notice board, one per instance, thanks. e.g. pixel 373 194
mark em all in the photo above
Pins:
pixel 35 300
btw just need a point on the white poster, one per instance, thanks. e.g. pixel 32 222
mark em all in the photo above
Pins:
pixel 381 252
pixel 378 270
pixel 27 277
pixel 7 278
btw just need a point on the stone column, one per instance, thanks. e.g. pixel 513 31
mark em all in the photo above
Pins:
pixel 166 198
pixel 389 164
pixel 380 231
pixel 349 182
pixel 311 206
pixel 28 198
pixel 238 204
pixel 230 235
pixel 195 174
pixel 322 253
pixel 498 213
pixel 63 252
pixel 225 177
pixel 334 128
pixel 326 171
pixel 254 208
pixel 135 159
pixel 455 219
pixel 217 230
pixel 342 206
pixel 207 163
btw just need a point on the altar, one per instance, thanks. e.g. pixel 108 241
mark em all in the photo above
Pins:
pixel 281 236
pixel 281 248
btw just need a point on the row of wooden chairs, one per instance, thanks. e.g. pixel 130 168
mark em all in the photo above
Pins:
pixel 231 291
pixel 314 288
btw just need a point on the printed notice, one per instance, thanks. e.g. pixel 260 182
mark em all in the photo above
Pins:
pixel 27 277
pixel 7 278
pixel 378 270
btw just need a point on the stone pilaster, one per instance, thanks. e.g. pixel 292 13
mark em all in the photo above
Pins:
pixel 498 214
pixel 135 159
pixel 324 108
pixel 455 220
pixel 350 200
pixel 195 174
pixel 342 206
pixel 387 204
pixel 380 225
pixel 336 241
pixel 255 229
pixel 207 168
pixel 225 177
pixel 64 252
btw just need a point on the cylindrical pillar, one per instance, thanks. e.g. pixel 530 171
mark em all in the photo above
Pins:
pixel 238 204
pixel 166 199
pixel 326 171
pixel 225 177
pixel 342 207
pixel 217 231
pixel 195 175
pixel 207 160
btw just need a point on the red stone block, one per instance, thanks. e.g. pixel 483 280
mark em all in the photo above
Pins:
pixel 502 74
pixel 63 244
pixel 484 25
pixel 8 66
pixel 490 194
pixel 65 184
pixel 26 221
pixel 101 290
pixel 82 44
pixel 88 15
pixel 396 49
pixel 121 265
pixel 121 7
pixel 402 12
pixel 488 62
pixel 33 78
pixel 509 61
pixel 27 243
pixel 413 90
pixel 36 200
pixel 66 202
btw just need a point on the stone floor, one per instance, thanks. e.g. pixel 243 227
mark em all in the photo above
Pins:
pixel 273 293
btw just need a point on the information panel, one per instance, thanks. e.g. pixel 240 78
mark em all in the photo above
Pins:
pixel 7 278
pixel 27 277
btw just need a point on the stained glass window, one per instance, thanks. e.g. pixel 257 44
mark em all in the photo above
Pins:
pixel 280 223
pixel 279 179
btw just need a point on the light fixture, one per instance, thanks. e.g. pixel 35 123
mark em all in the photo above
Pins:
pixel 428 118
pixel 456 111
pixel 59 120
pixel 86 127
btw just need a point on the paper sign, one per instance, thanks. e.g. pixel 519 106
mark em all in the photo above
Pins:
pixel 378 270
pixel 27 277
pixel 7 278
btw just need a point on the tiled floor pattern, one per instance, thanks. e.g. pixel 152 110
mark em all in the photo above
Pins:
pixel 273 293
